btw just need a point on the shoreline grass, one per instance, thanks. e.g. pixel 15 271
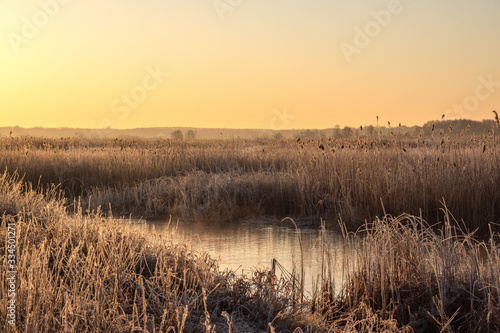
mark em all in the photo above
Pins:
pixel 430 278
pixel 97 274
pixel 92 273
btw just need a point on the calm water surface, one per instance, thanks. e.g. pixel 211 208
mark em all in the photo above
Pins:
pixel 243 247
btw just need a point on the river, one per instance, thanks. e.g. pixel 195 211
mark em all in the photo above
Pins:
pixel 245 246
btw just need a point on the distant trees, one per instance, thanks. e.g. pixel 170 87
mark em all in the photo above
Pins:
pixel 177 135
pixel 346 132
pixel 337 132
pixel 190 135
pixel 311 134
pixel 370 130
pixel 460 126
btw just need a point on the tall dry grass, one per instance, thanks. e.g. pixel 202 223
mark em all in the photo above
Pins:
pixel 80 273
pixel 88 273
pixel 229 179
pixel 406 275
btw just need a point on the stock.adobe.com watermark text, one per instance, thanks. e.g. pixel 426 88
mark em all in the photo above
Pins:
pixel 363 36
pixel 281 119
pixel 131 100
pixel 485 88
pixel 222 7
pixel 11 273
pixel 31 26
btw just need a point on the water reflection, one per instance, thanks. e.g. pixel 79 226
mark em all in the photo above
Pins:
pixel 242 247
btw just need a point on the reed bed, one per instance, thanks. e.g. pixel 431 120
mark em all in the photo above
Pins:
pixel 303 178
pixel 416 277
pixel 79 273
pixel 85 272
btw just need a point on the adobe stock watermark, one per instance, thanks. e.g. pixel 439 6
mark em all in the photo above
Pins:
pixel 31 27
pixel 130 101
pixel 224 6
pixel 11 275
pixel 281 119
pixel 483 91
pixel 372 29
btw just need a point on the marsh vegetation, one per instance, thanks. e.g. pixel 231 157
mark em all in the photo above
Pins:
pixel 302 178
pixel 415 266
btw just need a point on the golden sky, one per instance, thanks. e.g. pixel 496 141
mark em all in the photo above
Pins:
pixel 246 64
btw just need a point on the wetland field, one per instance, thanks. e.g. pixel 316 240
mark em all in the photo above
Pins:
pixel 404 230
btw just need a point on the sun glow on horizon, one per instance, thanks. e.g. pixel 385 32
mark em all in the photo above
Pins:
pixel 67 63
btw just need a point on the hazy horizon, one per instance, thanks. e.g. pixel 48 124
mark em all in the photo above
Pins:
pixel 381 125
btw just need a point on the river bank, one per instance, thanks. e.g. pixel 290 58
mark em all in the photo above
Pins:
pixel 88 272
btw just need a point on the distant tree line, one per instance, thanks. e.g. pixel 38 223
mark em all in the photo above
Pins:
pixel 437 127
pixel 450 127
pixel 463 126
pixel 178 135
